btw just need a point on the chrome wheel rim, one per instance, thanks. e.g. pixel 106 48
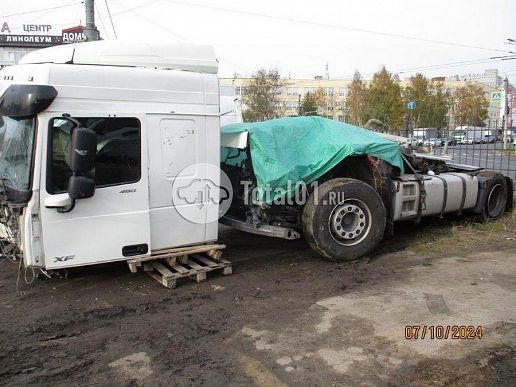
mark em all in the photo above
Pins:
pixel 350 222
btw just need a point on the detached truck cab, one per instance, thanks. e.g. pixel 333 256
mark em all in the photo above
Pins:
pixel 92 137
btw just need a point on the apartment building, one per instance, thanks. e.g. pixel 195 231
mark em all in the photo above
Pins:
pixel 336 91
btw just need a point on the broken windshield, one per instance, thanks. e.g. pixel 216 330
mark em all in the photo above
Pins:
pixel 16 139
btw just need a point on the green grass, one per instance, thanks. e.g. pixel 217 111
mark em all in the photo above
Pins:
pixel 467 235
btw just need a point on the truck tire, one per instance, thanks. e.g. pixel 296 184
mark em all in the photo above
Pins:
pixel 343 219
pixel 494 200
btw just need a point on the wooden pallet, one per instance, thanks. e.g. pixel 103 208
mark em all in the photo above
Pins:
pixel 167 266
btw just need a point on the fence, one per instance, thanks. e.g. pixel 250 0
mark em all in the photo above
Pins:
pixel 479 146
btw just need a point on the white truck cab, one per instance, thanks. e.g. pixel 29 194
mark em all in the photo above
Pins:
pixel 92 138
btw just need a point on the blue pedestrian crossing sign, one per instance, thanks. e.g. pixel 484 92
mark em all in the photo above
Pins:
pixel 496 96
pixel 411 105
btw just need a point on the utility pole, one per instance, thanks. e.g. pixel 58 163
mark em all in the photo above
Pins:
pixel 90 31
pixel 505 111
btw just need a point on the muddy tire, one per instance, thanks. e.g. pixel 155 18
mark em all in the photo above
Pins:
pixel 496 199
pixel 343 219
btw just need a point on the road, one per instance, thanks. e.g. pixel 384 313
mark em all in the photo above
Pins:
pixel 285 317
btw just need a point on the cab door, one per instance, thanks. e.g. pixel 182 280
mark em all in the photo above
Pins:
pixel 111 225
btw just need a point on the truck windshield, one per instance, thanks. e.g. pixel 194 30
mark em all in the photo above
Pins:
pixel 16 139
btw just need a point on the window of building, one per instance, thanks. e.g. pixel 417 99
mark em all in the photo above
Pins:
pixel 343 91
pixel 328 91
pixel 341 118
pixel 292 91
pixel 292 105
pixel 227 90
pixel 238 90
pixel 310 90
pixel 329 116
pixel 118 159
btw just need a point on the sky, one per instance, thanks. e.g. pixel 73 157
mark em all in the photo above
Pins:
pixel 436 38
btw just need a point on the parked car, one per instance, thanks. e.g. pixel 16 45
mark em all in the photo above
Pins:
pixel 416 141
pixel 433 142
pixel 489 139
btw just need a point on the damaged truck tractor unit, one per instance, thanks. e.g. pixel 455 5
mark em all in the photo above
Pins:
pixel 342 186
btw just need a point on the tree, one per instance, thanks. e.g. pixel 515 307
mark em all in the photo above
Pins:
pixel 261 96
pixel 355 100
pixel 470 105
pixel 438 105
pixel 312 103
pixel 431 102
pixel 383 101
pixel 418 91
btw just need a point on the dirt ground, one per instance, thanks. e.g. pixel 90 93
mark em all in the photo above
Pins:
pixel 285 317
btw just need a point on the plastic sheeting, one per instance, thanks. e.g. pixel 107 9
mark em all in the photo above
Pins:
pixel 287 151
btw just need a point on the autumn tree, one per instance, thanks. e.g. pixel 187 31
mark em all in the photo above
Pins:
pixel 383 100
pixel 470 106
pixel 418 91
pixel 431 102
pixel 437 106
pixel 312 103
pixel 355 100
pixel 261 96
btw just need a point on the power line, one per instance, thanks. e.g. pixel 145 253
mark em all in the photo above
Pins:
pixel 453 64
pixel 435 66
pixel 42 9
pixel 167 29
pixel 134 8
pixel 146 18
pixel 111 19
pixel 101 21
pixel 335 26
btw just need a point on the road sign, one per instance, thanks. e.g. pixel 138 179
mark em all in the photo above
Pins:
pixel 411 105
pixel 496 96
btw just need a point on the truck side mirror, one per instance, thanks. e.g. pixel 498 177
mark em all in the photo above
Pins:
pixel 83 150
pixel 82 159
pixel 80 187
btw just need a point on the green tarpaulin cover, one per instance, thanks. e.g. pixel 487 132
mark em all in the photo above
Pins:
pixel 303 149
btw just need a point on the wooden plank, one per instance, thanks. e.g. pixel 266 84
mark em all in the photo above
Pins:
pixel 164 271
pixel 132 266
pixel 196 266
pixel 205 260
pixel 224 261
pixel 183 259
pixel 200 277
pixel 171 260
pixel 180 269
pixel 186 249
pixel 227 270
pixel 214 253
pixel 167 282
